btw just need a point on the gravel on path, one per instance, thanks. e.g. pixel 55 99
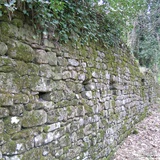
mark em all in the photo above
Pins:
pixel 145 145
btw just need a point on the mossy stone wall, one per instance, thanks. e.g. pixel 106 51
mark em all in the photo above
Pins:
pixel 66 102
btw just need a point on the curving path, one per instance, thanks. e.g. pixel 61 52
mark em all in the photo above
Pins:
pixel 145 145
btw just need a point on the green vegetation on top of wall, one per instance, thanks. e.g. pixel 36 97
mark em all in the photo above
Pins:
pixel 84 21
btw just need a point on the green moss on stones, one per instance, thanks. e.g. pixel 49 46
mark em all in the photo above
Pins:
pixel 110 156
pixel 33 154
pixel 12 126
pixel 46 128
pixel 88 109
pixel 135 131
pixel 34 118
pixel 17 22
pixel 4 138
pixel 144 114
pixel 66 149
pixel 113 103
pixel 22 134
pixel 21 51
pixel 4 28
pixel 69 110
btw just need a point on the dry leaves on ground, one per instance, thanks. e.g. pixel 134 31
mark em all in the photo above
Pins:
pixel 145 145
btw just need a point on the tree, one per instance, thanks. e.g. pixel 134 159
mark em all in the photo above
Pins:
pixel 145 36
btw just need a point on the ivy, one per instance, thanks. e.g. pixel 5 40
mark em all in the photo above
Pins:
pixel 72 20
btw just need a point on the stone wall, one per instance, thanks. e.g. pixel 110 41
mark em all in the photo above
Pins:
pixel 65 102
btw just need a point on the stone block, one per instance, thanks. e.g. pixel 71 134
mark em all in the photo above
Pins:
pixel 21 98
pixel 34 154
pixel 46 71
pixel 9 30
pixel 3 48
pixel 67 75
pixel 90 87
pixel 17 147
pixel 52 127
pixel 16 157
pixel 52 59
pixel 87 94
pixel 1 126
pixel 62 61
pixel 21 51
pixel 43 139
pixel 16 110
pixel 33 69
pixel 4 112
pixel 17 22
pixel 41 85
pixel 95 75
pixel 41 57
pixel 6 100
pixel 3 138
pixel 46 105
pixel 0 155
pixel 82 77
pixel 12 124
pixel 73 62
pixel 34 118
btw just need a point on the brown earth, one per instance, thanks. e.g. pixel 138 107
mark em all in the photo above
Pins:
pixel 145 143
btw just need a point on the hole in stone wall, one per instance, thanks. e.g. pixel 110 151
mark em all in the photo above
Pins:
pixel 44 96
pixel 114 92
pixel 112 87
pixel 143 81
pixel 48 82
pixel 149 99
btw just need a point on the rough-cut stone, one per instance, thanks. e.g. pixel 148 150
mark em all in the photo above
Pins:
pixel 95 75
pixel 87 94
pixel 42 85
pixel 90 87
pixel 33 154
pixel 3 48
pixel 73 62
pixel 21 51
pixel 4 112
pixel 46 105
pixel 46 71
pixel 41 57
pixel 67 75
pixel 52 127
pixel 4 138
pixel 62 61
pixel 17 147
pixel 52 59
pixel 43 139
pixel 0 155
pixel 21 99
pixel 16 110
pixel 6 100
pixel 12 124
pixel 34 118
pixel 1 126
pixel 82 77
pixel 17 157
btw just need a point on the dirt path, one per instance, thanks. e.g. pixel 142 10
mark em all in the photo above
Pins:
pixel 145 145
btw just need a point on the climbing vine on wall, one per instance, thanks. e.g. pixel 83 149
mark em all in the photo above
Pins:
pixel 76 20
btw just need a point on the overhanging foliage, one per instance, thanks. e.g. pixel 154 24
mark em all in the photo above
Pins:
pixel 77 20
